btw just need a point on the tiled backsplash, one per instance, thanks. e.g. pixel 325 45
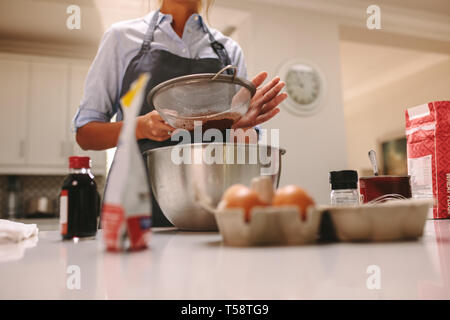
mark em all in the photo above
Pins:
pixel 37 186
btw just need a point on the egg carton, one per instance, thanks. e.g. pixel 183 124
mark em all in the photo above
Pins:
pixel 268 226
pixel 389 221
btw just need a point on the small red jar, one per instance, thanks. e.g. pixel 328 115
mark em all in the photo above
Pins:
pixel 378 187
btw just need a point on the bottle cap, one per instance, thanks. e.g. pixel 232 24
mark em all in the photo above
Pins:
pixel 345 179
pixel 79 162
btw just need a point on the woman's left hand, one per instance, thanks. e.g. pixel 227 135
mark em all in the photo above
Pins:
pixel 264 103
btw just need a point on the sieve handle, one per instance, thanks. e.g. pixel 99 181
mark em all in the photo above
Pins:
pixel 224 69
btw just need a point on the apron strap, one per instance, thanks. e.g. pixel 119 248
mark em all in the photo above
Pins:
pixel 148 38
pixel 221 52
pixel 218 48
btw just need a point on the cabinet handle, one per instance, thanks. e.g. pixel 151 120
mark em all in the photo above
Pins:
pixel 63 149
pixel 22 148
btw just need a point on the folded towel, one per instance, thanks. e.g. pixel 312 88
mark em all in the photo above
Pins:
pixel 11 251
pixel 15 231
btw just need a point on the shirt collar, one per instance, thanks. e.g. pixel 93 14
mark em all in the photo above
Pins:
pixel 162 17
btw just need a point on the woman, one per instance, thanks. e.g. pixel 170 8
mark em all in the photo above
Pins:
pixel 170 42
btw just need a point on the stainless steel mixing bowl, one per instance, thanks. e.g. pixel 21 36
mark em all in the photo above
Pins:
pixel 175 172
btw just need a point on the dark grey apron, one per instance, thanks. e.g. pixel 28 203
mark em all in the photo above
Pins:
pixel 163 65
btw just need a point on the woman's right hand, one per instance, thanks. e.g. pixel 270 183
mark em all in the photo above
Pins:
pixel 152 126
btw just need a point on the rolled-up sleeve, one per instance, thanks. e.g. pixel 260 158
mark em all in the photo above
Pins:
pixel 240 64
pixel 102 84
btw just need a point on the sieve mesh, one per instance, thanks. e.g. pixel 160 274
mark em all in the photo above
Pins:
pixel 183 100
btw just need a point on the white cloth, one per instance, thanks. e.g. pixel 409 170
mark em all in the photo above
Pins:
pixel 16 250
pixel 15 231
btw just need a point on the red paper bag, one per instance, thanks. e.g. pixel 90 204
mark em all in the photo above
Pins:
pixel 428 148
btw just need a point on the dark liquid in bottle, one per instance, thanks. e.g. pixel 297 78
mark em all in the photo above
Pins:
pixel 83 206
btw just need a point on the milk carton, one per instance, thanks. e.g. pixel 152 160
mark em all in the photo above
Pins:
pixel 126 212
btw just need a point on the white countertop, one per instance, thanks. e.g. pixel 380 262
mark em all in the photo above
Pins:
pixel 187 265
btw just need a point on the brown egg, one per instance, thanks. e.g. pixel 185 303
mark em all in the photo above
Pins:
pixel 239 196
pixel 293 196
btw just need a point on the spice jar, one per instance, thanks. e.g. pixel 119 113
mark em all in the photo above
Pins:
pixel 79 201
pixel 344 187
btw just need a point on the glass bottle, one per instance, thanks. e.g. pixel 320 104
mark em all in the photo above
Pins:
pixel 344 188
pixel 14 198
pixel 79 201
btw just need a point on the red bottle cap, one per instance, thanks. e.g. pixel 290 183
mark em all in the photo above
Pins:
pixel 79 162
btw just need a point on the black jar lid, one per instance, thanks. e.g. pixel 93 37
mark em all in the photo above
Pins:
pixel 345 179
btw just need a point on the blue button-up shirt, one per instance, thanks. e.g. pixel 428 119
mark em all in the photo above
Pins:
pixel 122 42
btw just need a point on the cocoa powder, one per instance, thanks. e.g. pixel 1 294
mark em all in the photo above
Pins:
pixel 221 122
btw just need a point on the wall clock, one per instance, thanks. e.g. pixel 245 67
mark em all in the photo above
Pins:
pixel 305 86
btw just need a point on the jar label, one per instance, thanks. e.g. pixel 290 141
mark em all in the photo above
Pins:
pixel 63 208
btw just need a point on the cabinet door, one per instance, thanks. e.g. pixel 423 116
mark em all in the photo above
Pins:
pixel 77 77
pixel 47 121
pixel 13 111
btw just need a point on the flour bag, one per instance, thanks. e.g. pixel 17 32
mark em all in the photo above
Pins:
pixel 428 148
pixel 126 211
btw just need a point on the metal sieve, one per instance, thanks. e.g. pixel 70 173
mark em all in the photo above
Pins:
pixel 202 97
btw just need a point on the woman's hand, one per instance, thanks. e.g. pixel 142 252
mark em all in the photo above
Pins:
pixel 263 105
pixel 152 126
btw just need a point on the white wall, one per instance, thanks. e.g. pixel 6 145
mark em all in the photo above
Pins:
pixel 381 113
pixel 315 145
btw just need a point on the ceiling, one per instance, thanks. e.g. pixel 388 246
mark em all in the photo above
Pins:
pixel 441 7
pixel 45 20
pixel 366 67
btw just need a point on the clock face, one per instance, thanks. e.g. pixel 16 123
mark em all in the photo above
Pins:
pixel 303 84
pixel 305 87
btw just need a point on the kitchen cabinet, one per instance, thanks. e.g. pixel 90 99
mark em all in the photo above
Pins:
pixel 47 114
pixel 13 111
pixel 40 96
